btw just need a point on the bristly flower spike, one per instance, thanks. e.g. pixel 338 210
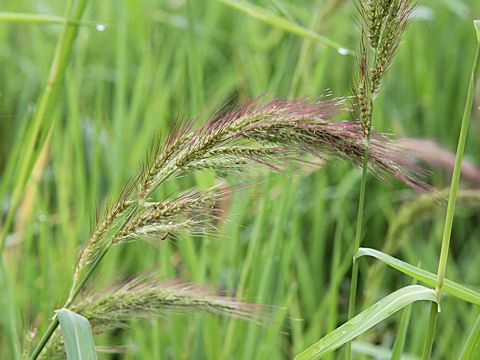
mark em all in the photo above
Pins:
pixel 382 24
pixel 259 132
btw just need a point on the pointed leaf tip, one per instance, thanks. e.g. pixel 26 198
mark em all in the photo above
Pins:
pixel 367 319
pixel 77 336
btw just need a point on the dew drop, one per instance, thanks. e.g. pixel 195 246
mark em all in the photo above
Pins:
pixel 100 27
pixel 344 332
pixel 342 51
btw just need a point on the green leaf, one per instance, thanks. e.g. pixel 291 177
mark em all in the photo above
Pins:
pixel 77 335
pixel 284 24
pixel 424 276
pixel 471 351
pixel 367 319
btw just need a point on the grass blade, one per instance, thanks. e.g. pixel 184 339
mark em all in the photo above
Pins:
pixel 472 347
pixel 424 276
pixel 8 313
pixel 40 123
pixel 41 19
pixel 77 335
pixel 266 16
pixel 367 319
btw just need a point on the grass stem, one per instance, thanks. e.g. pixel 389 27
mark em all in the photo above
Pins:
pixel 358 238
pixel 8 311
pixel 451 203
pixel 75 290
pixel 54 323
pixel 42 19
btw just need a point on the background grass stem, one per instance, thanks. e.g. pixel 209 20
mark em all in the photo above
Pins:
pixel 44 109
pixel 8 311
pixel 42 19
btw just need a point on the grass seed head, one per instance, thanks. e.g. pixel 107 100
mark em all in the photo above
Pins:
pixel 382 25
pixel 147 296
pixel 272 133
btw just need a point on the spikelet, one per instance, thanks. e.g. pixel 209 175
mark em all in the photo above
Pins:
pixel 382 24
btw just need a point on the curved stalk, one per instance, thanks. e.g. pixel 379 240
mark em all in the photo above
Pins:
pixel 54 323
pixel 447 231
pixel 75 290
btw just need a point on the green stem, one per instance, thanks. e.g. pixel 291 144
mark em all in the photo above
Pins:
pixel 361 203
pixel 432 323
pixel 195 72
pixel 45 106
pixel 77 287
pixel 42 19
pixel 8 311
pixel 54 323
pixel 447 231
pixel 358 238
pixel 402 331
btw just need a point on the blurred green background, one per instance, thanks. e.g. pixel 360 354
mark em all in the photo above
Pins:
pixel 288 243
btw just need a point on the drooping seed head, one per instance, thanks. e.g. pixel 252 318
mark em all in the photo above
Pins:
pixel 147 297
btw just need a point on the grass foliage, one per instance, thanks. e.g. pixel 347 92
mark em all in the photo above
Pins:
pixel 132 69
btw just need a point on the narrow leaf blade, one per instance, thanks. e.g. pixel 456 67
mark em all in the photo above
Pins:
pixel 77 335
pixel 471 350
pixel 266 16
pixel 367 319
pixel 424 276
